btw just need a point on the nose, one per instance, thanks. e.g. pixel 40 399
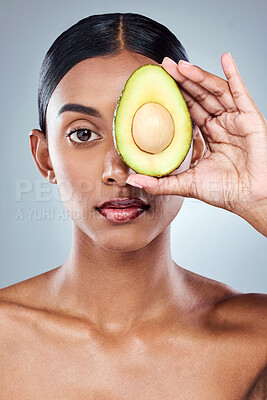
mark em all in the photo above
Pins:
pixel 115 169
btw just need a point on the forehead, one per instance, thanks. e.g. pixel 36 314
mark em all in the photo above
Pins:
pixel 96 81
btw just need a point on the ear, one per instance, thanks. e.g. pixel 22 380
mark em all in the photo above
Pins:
pixel 40 153
pixel 199 146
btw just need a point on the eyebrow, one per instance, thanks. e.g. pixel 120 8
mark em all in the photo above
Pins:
pixel 93 112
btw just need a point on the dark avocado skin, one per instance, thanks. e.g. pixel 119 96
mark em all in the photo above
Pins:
pixel 114 125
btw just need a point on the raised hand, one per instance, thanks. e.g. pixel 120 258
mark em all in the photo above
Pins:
pixel 233 172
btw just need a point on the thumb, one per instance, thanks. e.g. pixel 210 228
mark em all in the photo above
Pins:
pixel 182 184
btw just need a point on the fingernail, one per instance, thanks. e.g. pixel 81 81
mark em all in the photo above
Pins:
pixel 229 54
pixel 184 62
pixel 169 59
pixel 132 183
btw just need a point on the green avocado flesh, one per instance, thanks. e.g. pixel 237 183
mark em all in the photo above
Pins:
pixel 152 84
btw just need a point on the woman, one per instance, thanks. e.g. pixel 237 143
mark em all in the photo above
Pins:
pixel 119 319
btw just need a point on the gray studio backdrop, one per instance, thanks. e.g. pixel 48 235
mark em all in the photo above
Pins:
pixel 35 229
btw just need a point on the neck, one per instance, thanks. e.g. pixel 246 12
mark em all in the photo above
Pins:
pixel 114 290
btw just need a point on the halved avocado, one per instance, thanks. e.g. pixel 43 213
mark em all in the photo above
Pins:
pixel 152 127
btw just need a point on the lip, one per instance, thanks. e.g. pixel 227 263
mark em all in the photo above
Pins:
pixel 122 210
pixel 123 203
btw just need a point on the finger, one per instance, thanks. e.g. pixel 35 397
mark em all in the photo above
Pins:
pixel 208 100
pixel 182 184
pixel 214 84
pixel 209 128
pixel 198 114
pixel 238 89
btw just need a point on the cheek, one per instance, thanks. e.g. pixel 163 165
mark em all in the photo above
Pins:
pixel 75 189
pixel 78 175
pixel 165 209
pixel 172 206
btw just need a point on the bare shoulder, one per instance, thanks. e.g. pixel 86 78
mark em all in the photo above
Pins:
pixel 230 306
pixel 238 317
pixel 28 293
pixel 19 294
pixel 25 312
pixel 247 310
pixel 241 319
pixel 17 301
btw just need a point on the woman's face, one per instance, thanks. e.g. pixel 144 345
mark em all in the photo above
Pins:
pixel 91 172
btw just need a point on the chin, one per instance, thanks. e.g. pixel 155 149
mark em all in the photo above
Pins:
pixel 123 243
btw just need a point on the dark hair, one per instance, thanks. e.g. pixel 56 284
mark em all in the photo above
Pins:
pixel 99 35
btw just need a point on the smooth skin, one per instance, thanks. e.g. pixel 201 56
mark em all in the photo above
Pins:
pixel 119 319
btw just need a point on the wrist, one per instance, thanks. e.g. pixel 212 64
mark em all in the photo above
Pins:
pixel 256 215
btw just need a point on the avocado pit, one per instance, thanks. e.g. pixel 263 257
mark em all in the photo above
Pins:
pixel 152 128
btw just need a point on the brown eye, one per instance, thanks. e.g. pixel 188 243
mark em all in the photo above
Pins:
pixel 82 135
